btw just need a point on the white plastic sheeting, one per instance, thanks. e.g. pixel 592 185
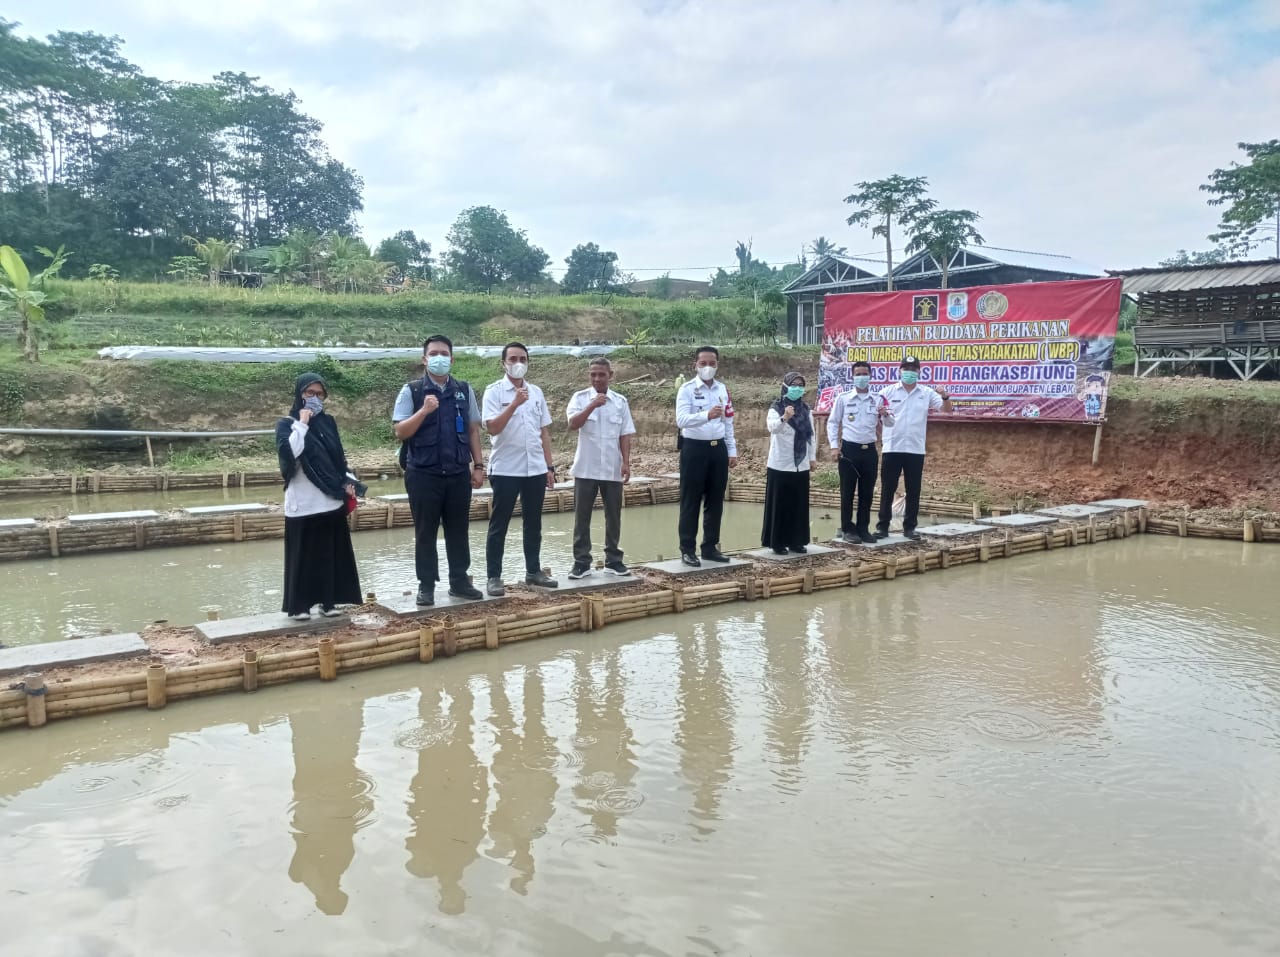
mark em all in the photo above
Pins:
pixel 349 353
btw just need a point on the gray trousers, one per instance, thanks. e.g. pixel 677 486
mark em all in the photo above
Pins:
pixel 584 500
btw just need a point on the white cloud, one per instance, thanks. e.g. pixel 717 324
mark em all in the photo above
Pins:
pixel 670 131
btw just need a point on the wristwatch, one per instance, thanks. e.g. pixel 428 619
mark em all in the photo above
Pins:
pixel 477 465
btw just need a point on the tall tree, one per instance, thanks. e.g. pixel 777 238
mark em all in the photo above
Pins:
pixel 822 246
pixel 591 269
pixel 410 255
pixel 882 203
pixel 486 250
pixel 1203 257
pixel 1252 191
pixel 941 233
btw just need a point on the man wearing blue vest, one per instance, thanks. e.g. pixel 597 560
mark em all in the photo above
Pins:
pixel 437 420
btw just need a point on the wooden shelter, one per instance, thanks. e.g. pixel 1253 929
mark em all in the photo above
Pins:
pixel 1193 316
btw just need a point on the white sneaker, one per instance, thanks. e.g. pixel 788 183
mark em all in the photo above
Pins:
pixel 302 616
pixel 330 612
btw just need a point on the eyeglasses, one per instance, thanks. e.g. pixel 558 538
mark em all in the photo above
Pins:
pixel 313 394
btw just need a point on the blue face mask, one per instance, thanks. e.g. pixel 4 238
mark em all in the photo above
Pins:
pixel 314 403
pixel 910 377
pixel 862 382
pixel 795 392
pixel 439 365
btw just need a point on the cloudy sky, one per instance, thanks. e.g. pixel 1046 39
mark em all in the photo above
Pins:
pixel 669 130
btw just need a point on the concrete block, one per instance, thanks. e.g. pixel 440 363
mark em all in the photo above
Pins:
pixel 1073 511
pixel 265 626
pixel 677 567
pixel 953 529
pixel 112 516
pixel 597 580
pixel 221 509
pixel 404 606
pixel 1121 503
pixel 1018 520
pixel 73 651
pixel 17 522
pixel 767 554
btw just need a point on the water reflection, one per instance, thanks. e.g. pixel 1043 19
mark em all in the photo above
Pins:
pixel 332 798
pixel 1076 753
pixel 524 772
pixel 448 796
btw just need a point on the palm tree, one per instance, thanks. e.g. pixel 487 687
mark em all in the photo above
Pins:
pixel 824 247
pixel 216 253
pixel 942 232
pixel 880 203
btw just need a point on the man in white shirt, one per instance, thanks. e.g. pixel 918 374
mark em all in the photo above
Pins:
pixel 602 465
pixel 520 466
pixel 852 429
pixel 704 416
pixel 910 404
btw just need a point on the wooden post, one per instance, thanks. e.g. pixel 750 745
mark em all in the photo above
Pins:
pixel 677 598
pixel 242 479
pixel 1182 525
pixel 653 494
pixel 224 479
pixel 1249 532
pixel 1048 539
pixel 391 515
pixel 53 541
pixel 33 684
pixel 1097 443
pixel 854 571
pixel 249 670
pixel 750 593
pixel 597 612
pixel 157 693
pixel 584 613
pixel 237 528
pixel 944 558
pixel 977 511
pixel 449 638
pixel 151 458
pixel 984 551
pixel 766 587
pixel 922 563
pixel 891 569
pixel 95 483
pixel 806 586
pixel 370 597
pixel 426 644
pixel 139 536
pixel 1142 519
pixel 1091 532
pixel 328 659
pixel 491 632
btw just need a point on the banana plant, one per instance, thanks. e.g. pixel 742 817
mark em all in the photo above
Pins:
pixel 23 293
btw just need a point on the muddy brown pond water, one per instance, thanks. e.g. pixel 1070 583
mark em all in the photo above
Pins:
pixel 1074 753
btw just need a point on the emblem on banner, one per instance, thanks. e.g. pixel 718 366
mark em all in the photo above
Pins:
pixel 957 305
pixel 992 305
pixel 924 308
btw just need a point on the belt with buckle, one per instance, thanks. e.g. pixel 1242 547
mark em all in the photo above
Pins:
pixel 715 442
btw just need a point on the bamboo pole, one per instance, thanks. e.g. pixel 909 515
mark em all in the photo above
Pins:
pixel 584 614
pixel 36 691
pixel 1142 519
pixel 328 660
pixel 597 612
pixel 115 700
pixel 807 584
pixel 156 692
pixel 890 569
pixel 449 639
pixel 249 671
pixel 288 674
pixel 426 644
pixel 491 633
pixel 197 689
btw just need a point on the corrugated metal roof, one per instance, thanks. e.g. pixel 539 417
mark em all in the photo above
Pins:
pixel 1049 262
pixel 1213 276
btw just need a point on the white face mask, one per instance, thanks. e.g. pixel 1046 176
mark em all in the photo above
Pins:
pixel 706 373
pixel 517 369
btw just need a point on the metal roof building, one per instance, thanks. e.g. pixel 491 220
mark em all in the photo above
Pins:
pixel 969 266
pixel 1219 313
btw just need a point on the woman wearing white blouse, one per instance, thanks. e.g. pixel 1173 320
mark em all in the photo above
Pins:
pixel 792 453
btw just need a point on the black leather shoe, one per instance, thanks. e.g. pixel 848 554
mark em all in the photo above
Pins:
pixel 800 549
pixel 913 535
pixel 715 555
pixel 880 535
pixel 426 596
pixel 865 537
pixel 469 592
pixel 691 560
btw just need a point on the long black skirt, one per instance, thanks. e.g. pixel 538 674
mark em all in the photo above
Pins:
pixel 786 509
pixel 319 563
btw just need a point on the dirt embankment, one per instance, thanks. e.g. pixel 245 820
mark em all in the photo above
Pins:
pixel 1196 442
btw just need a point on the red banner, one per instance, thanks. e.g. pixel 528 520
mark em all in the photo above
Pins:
pixel 1028 350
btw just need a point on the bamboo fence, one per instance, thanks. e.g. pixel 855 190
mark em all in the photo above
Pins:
pixel 30 703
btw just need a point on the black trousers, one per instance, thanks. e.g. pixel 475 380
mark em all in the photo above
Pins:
pixel 531 491
pixel 704 476
pixel 910 466
pixel 436 499
pixel 858 465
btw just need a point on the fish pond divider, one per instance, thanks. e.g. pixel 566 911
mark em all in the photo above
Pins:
pixel 31 702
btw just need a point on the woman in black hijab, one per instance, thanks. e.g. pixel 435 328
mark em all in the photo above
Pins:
pixel 319 563
pixel 792 451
